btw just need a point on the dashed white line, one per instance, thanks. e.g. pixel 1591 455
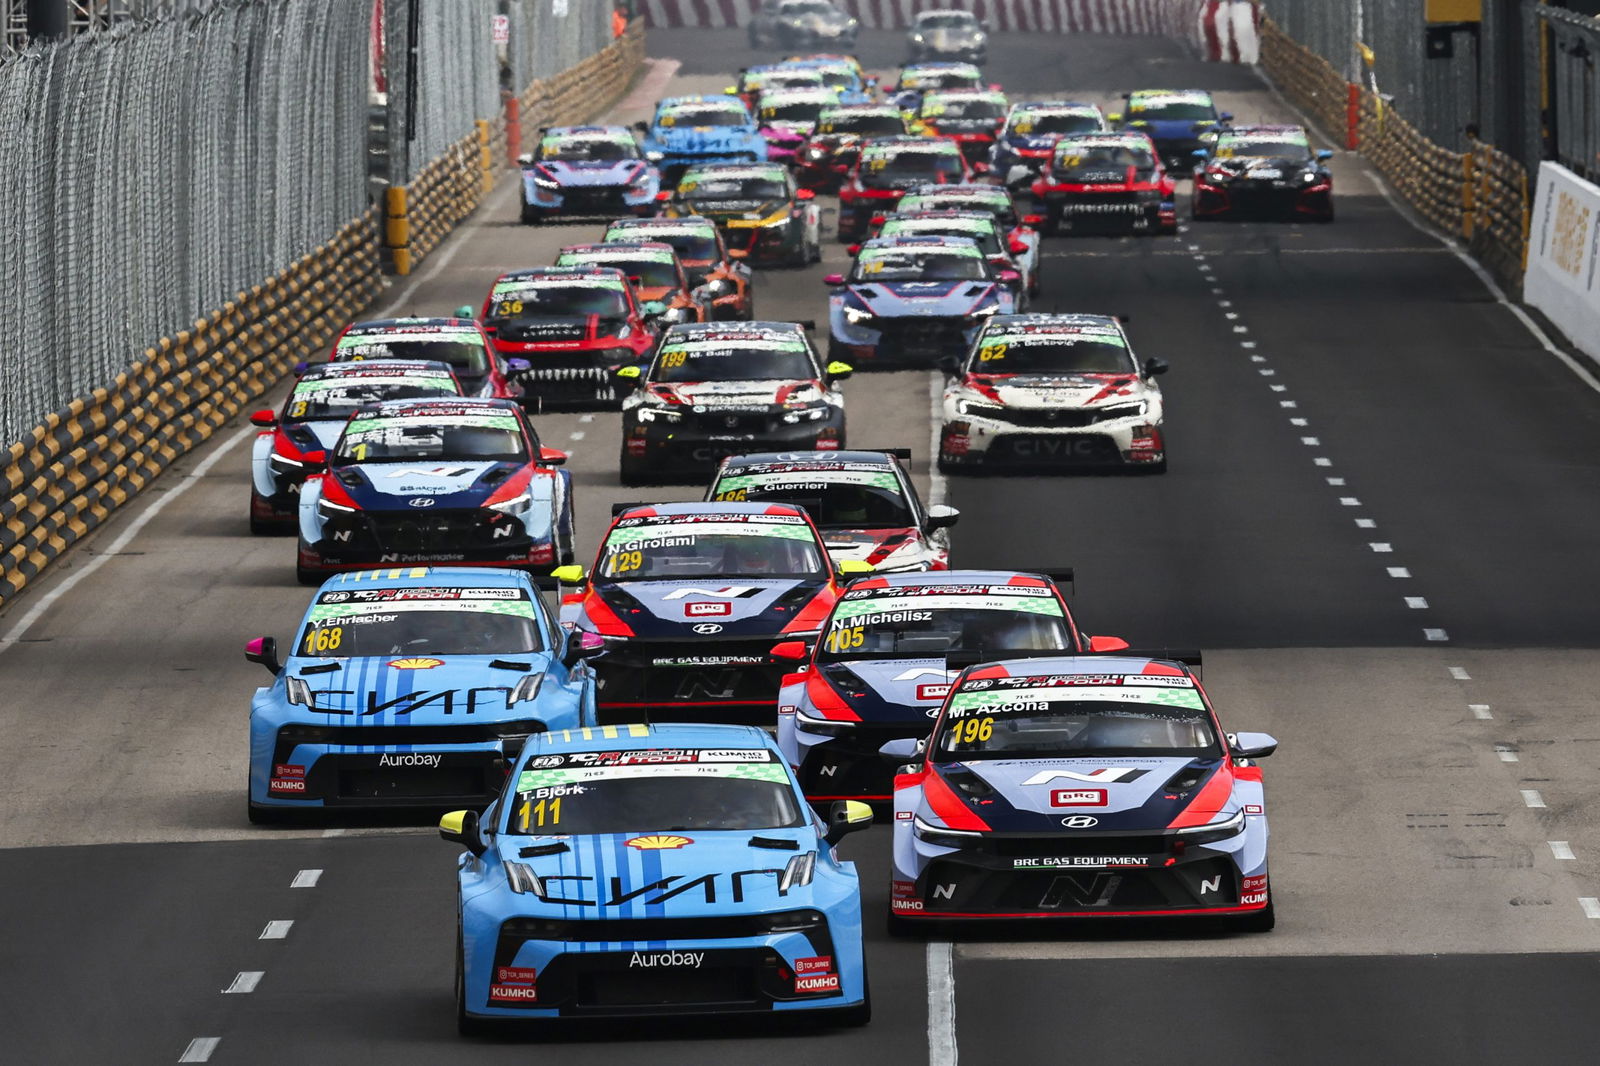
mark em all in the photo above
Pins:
pixel 1435 634
pixel 1416 603
pixel 1288 405
pixel 1481 711
pixel 941 1004
pixel 1268 373
pixel 1590 905
pixel 277 929
pixel 1459 673
pixel 1258 359
pixel 306 879
pixel 244 981
pixel 1532 798
pixel 1311 442
pixel 1279 388
pixel 1398 571
pixel 1216 292
pixel 1224 303
pixel 200 1049
pixel 586 418
pixel 1349 501
pixel 1505 753
pixel 1322 460
pixel 1561 850
pixel 576 434
pixel 1241 329
pixel 1336 482
pixel 1380 547
pixel 1366 523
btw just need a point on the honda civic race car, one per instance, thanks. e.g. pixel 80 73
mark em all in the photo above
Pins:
pixel 459 342
pixel 864 503
pixel 1078 787
pixel 716 390
pixel 969 117
pixel 772 77
pixel 572 326
pixel 1264 171
pixel 885 168
pixel 700 129
pixel 1179 122
pixel 690 598
pixel 459 482
pixel 788 116
pixel 763 215
pixel 660 283
pixel 909 300
pixel 885 661
pixel 918 78
pixel 841 72
pixel 800 24
pixel 947 35
pixel 1023 145
pixel 991 198
pixel 294 442
pixel 587 170
pixel 655 870
pixel 1014 257
pixel 704 256
pixel 1107 182
pixel 1043 391
pixel 822 162
pixel 411 687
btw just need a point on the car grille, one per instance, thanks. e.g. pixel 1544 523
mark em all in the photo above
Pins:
pixel 417 783
pixel 412 532
pixel 973 889
pixel 592 199
pixel 1053 448
pixel 634 678
pixel 706 985
pixel 516 931
pixel 715 424
pixel 578 382
pixel 1050 417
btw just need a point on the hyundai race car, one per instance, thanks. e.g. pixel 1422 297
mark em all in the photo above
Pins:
pixel 801 24
pixel 639 870
pixel 909 300
pixel 448 482
pixel 864 503
pixel 1024 144
pixel 841 72
pixel 969 117
pixel 885 168
pixel 1107 182
pixel 788 116
pixel 772 77
pixel 1014 257
pixel 884 664
pixel 587 170
pixel 704 256
pixel 687 130
pixel 822 162
pixel 1080 787
pixel 716 390
pixel 295 441
pixel 1266 171
pixel 991 198
pixel 659 281
pixel 459 342
pixel 1179 123
pixel 1046 391
pixel 690 598
pixel 764 216
pixel 572 326
pixel 947 35
pixel 411 687
pixel 918 78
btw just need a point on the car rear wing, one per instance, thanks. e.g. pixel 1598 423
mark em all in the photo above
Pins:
pixel 963 659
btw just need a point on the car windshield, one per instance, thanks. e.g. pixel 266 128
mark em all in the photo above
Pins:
pixel 694 188
pixel 890 170
pixel 654 793
pixel 867 124
pixel 997 205
pixel 585 149
pixel 1263 149
pixel 464 352
pixel 1087 716
pixel 961 107
pixel 653 271
pixel 1102 157
pixel 947 21
pixel 423 622
pixel 836 495
pixel 987 239
pixel 692 244
pixel 480 437
pixel 839 78
pixel 731 356
pixel 702 546
pixel 1172 111
pixel 919 264
pixel 784 79
pixel 1043 124
pixel 808 7
pixel 931 621
pixel 514 303
pixel 940 79
pixel 1087 350
pixel 797 111
pixel 326 399
pixel 704 115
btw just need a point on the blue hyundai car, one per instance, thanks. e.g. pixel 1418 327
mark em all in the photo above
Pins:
pixel 1181 122
pixel 411 687
pixel 700 129
pixel 647 870
pixel 587 170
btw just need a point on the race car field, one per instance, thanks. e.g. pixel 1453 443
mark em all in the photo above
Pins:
pixel 1377 524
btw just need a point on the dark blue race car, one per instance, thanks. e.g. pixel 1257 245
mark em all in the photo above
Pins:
pixel 587 170
pixel 1180 123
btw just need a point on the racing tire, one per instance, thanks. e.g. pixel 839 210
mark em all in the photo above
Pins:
pixel 265 815
pixel 901 928
pixel 632 476
pixel 1261 921
pixel 310 578
pixel 530 215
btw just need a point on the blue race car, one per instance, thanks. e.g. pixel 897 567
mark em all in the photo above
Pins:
pixel 411 687
pixel 587 170
pixel 838 72
pixel 1180 122
pixel 701 129
pixel 918 78
pixel 909 300
pixel 638 870
pixel 1023 146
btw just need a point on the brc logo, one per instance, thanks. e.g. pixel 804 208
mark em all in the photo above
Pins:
pixel 706 608
pixel 932 692
pixel 1077 797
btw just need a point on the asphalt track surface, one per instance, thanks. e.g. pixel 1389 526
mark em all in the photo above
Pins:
pixel 1378 524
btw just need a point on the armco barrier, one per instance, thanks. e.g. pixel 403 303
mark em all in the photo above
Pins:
pixel 1563 276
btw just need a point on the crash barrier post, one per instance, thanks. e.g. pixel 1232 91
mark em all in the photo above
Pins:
pixel 1563 269
pixel 513 121
pixel 485 157
pixel 1352 117
pixel 397 229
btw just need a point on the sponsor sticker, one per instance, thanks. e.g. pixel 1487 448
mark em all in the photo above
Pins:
pixel 659 842
pixel 513 994
pixel 1077 797
pixel 415 664
pixel 933 692
pixel 814 964
pixel 515 975
pixel 817 984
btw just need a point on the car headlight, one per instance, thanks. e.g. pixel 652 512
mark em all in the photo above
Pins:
pixel 806 414
pixel 1124 410
pixel 675 314
pixel 328 509
pixel 794 921
pixel 798 872
pixel 654 414
pixel 1208 138
pixel 511 506
pixel 857 317
pixel 985 312
pixel 943 837
pixel 1309 177
pixel 978 410
pixel 655 157
pixel 1214 831
pixel 917 37
pixel 285 464
pixel 546 183
pixel 298 692
pixel 719 287
pixel 521 879
pixel 810 723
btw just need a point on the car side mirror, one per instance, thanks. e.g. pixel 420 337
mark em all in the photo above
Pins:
pixel 264 650
pixel 941 516
pixel 1252 745
pixel 903 750
pixel 851 568
pixel 518 366
pixel 1010 276
pixel 264 419
pixel 663 196
pixel 852 250
pixel 629 372
pixel 980 167
pixel 1155 365
pixel 465 311
pixel 568 575
pixel 838 371
pixel 1033 220
pixel 790 651
pixel 1104 644
pixel 805 194
pixel 833 279
pixel 1018 247
pixel 1200 153
pixel 1115 116
pixel 642 126
pixel 1324 155
pixel 1226 116
pixel 551 456
pixel 846 817
pixel 582 645
pixel 949 366
pixel 525 159
pixel 461 827
pixel 732 90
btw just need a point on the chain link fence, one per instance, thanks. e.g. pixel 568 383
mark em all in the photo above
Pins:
pixel 1565 49
pixel 549 36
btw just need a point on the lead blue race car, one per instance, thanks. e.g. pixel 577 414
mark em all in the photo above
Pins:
pixel 701 129
pixel 587 170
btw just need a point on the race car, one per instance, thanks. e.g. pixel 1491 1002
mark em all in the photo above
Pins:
pixel 763 215
pixel 411 687
pixel 822 162
pixel 294 441
pixel 969 117
pixel 587 170
pixel 1080 787
pixel 459 342
pixel 887 656
pixel 641 870
pixel 991 198
pixel 907 300
pixel 715 390
pixel 864 503
pixel 703 254
pixel 885 168
pixel 1266 171
pixel 841 72
pixel 1046 391
pixel 918 78
pixel 573 326
pixel 1107 182
pixel 788 116
pixel 1179 122
pixel 947 35
pixel 771 77
pixel 1023 145
pixel 1014 256
pixel 687 130
pixel 446 482
pixel 660 283
pixel 690 597
pixel 801 24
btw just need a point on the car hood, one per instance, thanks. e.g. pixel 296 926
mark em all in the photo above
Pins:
pixel 397 486
pixel 736 606
pixel 1060 390
pixel 786 132
pixel 591 172
pixel 411 687
pixel 888 299
pixel 891 691
pixel 704 139
pixel 558 328
pixel 739 395
pixel 873 546
pixel 743 210
pixel 1174 128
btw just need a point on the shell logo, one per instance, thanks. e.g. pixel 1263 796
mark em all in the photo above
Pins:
pixel 415 664
pixel 658 843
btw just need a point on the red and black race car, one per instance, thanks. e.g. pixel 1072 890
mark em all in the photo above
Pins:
pixel 1107 182
pixel 1264 171
pixel 886 169
pixel 972 118
pixel 822 162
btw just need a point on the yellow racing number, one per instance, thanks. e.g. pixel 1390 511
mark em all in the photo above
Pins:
pixel 1067 160
pixel 734 495
pixel 299 408
pixel 991 353
pixel 877 164
pixel 872 266
pixel 324 640
pixel 533 815
pixel 508 307
pixel 847 639
pixel 1023 128
pixel 974 730
pixel 625 562
pixel 359 451
pixel 670 360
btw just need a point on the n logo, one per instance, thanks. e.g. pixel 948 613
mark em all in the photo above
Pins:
pixel 709 685
pixel 342 534
pixel 1213 885
pixel 1095 777
pixel 731 592
pixel 945 891
pixel 502 531
pixel 1090 892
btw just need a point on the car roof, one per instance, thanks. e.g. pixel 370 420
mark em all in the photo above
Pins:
pixel 475 404
pixel 558 131
pixel 1197 95
pixel 667 510
pixel 367 367
pixel 940 65
pixel 929 241
pixel 1043 318
pixel 402 577
pixel 1084 664
pixel 954 577
pixel 749 459
pixel 636 736
pixel 941 214
pixel 694 328
pixel 407 323
pixel 961 189
pixel 802 93
pixel 1257 130
pixel 687 221
pixel 702 98
pixel 883 109
pixel 617 249
pixel 553 272
pixel 1050 105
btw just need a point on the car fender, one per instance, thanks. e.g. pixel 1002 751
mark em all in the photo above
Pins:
pixel 261 464
pixel 545 502
pixel 310 522
pixel 791 695
pixel 904 863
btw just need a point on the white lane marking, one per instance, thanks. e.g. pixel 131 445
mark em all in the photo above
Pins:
pixel 941 1004
pixel 1416 603
pixel 1216 292
pixel 1590 905
pixel 1336 482
pixel 277 929
pixel 1460 673
pixel 1258 359
pixel 1279 388
pixel 1224 303
pixel 306 879
pixel 244 981
pixel 1231 316
pixel 1561 850
pixel 586 418
pixel 1381 547
pixel 1531 797
pixel 1241 329
pixel 121 541
pixel 1269 373
pixel 576 434
pixel 1198 258
pixel 1349 501
pixel 1247 345
pixel 1311 442
pixel 1435 634
pixel 1480 711
pixel 336 831
pixel 1366 523
pixel 1288 405
pixel 1322 460
pixel 200 1049
pixel 1399 571
pixel 1506 753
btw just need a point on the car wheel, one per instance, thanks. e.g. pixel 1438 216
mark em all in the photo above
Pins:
pixel 266 815
pixel 307 577
pixel 1261 921
pixel 530 214
pixel 901 928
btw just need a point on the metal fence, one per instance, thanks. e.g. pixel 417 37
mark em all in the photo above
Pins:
pixel 549 36
pixel 1564 92
pixel 81 15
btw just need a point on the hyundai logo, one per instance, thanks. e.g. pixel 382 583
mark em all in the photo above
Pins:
pixel 422 501
pixel 1080 821
pixel 707 628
